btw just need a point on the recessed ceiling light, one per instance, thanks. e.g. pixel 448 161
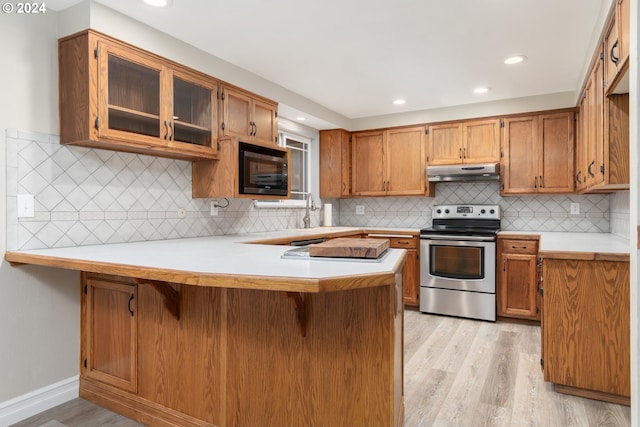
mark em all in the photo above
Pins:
pixel 302 119
pixel 399 102
pixel 480 90
pixel 158 3
pixel 516 59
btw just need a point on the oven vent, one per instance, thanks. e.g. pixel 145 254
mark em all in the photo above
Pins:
pixel 464 173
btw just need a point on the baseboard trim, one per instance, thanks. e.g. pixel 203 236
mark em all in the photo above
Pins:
pixel 30 404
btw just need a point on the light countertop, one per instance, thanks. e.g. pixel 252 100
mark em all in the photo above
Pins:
pixel 223 261
pixel 589 244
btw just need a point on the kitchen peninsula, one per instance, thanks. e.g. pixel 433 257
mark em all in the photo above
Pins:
pixel 215 331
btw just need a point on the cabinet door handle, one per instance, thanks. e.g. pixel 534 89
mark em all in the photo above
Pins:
pixel 460 153
pixel 171 128
pixel 130 309
pixel 535 182
pixel 541 182
pixel 612 55
pixel 589 169
pixel 504 265
pixel 578 180
pixel 464 153
pixel 166 130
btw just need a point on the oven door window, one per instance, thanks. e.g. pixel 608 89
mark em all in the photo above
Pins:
pixel 456 262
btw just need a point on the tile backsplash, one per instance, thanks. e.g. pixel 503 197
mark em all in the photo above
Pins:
pixel 530 213
pixel 85 196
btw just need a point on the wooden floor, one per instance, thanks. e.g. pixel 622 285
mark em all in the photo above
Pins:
pixel 458 372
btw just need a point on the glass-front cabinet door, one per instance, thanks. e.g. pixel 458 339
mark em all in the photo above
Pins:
pixel 152 105
pixel 193 122
pixel 130 96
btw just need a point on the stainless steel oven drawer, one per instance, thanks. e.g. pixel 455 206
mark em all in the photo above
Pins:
pixel 473 305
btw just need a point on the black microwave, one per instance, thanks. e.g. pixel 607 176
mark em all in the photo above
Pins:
pixel 263 170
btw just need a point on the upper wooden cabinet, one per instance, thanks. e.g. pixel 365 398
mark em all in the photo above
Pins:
pixel 616 45
pixel 389 162
pixel 248 116
pixel 475 141
pixel 538 154
pixel 335 163
pixel 118 97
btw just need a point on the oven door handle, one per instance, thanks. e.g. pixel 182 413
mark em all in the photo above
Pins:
pixel 457 238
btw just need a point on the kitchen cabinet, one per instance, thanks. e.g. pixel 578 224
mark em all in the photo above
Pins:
pixel 411 270
pixel 538 154
pixel 389 162
pixel 220 178
pixel 109 331
pixel 585 325
pixel 115 96
pixel 589 148
pixel 616 44
pixel 248 116
pixel 335 163
pixel 475 141
pixel 517 278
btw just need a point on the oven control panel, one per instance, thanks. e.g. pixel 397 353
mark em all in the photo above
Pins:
pixel 467 211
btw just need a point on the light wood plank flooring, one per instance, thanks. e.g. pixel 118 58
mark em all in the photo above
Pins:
pixel 458 372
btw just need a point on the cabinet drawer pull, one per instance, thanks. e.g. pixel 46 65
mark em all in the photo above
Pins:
pixel 518 247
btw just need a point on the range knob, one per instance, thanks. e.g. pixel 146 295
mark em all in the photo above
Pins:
pixel 482 211
pixel 439 211
pixel 492 211
pixel 446 211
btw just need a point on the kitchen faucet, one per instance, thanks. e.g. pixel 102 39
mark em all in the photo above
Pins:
pixel 306 220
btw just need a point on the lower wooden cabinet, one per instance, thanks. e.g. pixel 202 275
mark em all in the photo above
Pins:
pixel 517 278
pixel 411 270
pixel 585 327
pixel 109 331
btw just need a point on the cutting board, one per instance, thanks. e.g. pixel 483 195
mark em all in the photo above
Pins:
pixel 345 247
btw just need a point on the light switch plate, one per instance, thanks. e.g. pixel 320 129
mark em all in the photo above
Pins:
pixel 26 206
pixel 359 209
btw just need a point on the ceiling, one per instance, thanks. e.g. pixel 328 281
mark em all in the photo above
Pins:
pixel 355 57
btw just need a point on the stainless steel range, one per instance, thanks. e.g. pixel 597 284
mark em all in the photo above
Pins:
pixel 458 261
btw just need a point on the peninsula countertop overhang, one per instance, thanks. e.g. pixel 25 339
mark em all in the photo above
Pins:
pixel 230 261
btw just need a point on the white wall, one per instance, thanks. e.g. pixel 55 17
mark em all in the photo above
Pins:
pixel 39 308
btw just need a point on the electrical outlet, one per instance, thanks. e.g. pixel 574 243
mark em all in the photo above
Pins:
pixel 26 206
pixel 575 208
pixel 359 209
pixel 182 213
pixel 214 208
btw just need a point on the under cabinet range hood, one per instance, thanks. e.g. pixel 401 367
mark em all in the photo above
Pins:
pixel 464 173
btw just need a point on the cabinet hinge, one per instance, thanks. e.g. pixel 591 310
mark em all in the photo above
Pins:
pixel 602 56
pixel 426 131
pixel 602 169
pixel 501 154
pixel 85 363
pixel 223 122
pixel 222 95
pixel 276 114
pixel 97 123
pixel 85 289
pixel 217 94
pixel 542 362
pixel 501 123
pixel 95 52
pixel 350 138
pixel 541 291
pixel 537 310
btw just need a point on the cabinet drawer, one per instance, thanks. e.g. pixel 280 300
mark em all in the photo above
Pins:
pixel 520 246
pixel 403 242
